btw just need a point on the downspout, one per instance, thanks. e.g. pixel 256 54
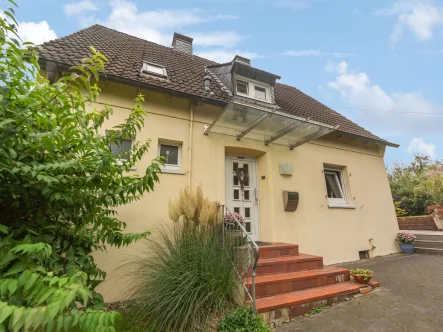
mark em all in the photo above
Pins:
pixel 191 127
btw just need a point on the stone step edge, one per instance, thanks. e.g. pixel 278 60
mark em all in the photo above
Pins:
pixel 276 317
pixel 287 260
pixel 294 276
pixel 437 249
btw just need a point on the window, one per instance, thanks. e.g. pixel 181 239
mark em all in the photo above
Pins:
pixel 171 153
pixel 253 89
pixel 260 92
pixel 242 87
pixel 335 187
pixel 122 150
pixel 153 69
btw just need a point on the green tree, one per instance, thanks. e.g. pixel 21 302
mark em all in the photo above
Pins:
pixel 406 183
pixel 60 186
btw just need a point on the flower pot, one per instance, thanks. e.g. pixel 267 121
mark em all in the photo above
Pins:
pixel 361 280
pixel 233 233
pixel 407 248
pixel 438 219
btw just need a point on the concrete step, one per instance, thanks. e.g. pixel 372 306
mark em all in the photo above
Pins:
pixel 429 244
pixel 274 284
pixel 429 251
pixel 278 249
pixel 298 301
pixel 426 237
pixel 284 264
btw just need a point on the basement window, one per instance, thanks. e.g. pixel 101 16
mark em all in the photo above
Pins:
pixel 154 69
pixel 122 150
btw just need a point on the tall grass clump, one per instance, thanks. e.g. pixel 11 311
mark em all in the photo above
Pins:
pixel 182 279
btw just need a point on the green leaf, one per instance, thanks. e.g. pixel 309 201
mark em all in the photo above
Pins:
pixel 5 312
pixel 16 268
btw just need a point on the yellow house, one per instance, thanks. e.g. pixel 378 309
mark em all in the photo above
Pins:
pixel 313 177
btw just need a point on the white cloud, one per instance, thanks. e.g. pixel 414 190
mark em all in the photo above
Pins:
pixel 331 66
pixel 421 17
pixel 418 146
pixel 158 25
pixel 79 8
pixel 399 112
pixel 316 53
pixel 35 32
pixel 227 39
pixel 223 55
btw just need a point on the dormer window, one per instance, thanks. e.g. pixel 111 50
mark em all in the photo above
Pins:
pixel 154 69
pixel 260 93
pixel 253 89
pixel 242 87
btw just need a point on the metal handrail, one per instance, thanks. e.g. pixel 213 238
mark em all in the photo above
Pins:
pixel 255 252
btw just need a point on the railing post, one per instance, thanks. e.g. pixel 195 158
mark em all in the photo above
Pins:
pixel 223 224
pixel 254 306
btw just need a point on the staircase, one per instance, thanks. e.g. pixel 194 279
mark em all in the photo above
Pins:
pixel 430 243
pixel 289 284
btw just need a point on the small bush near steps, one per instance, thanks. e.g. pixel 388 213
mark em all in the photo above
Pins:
pixel 241 320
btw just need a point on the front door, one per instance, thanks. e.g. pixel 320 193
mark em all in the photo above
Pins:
pixel 241 191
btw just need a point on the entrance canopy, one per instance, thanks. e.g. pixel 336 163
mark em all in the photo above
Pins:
pixel 267 125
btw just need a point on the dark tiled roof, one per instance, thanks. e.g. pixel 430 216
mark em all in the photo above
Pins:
pixel 126 55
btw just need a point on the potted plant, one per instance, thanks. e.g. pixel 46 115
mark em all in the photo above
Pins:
pixel 362 276
pixel 436 212
pixel 406 242
pixel 232 226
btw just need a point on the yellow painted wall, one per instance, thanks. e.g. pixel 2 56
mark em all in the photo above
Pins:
pixel 335 234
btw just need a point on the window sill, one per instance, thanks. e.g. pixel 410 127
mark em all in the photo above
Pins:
pixel 172 171
pixel 340 206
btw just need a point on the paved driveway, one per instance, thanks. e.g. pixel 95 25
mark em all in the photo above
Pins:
pixel 410 299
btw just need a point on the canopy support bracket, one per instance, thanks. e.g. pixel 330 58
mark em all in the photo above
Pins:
pixel 284 131
pixel 253 125
pixel 317 134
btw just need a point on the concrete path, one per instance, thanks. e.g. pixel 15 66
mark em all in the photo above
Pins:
pixel 410 299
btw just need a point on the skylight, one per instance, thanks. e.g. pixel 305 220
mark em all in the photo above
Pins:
pixel 154 69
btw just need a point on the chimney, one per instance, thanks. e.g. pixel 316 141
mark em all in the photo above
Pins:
pixel 242 60
pixel 182 43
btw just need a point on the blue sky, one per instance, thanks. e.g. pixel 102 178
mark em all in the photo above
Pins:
pixel 377 62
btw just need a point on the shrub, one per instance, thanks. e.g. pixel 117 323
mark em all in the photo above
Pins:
pixel 241 320
pixel 184 278
pixel 60 186
pixel 405 237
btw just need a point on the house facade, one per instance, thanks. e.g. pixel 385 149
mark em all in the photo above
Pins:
pixel 297 171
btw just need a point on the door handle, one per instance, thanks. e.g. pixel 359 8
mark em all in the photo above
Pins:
pixel 255 195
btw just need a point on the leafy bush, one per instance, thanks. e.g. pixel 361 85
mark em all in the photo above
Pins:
pixel 241 320
pixel 182 278
pixel 60 186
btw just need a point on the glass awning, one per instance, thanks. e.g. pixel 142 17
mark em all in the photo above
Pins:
pixel 266 125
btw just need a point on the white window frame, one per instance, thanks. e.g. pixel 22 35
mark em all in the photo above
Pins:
pixel 341 185
pixel 171 168
pixel 145 69
pixel 121 161
pixel 251 88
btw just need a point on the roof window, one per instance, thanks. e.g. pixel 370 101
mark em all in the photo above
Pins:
pixel 154 69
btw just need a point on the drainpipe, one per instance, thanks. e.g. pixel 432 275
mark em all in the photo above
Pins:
pixel 191 127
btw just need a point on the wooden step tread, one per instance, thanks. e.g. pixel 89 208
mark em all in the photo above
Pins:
pixel 299 275
pixel 288 259
pixel 287 300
